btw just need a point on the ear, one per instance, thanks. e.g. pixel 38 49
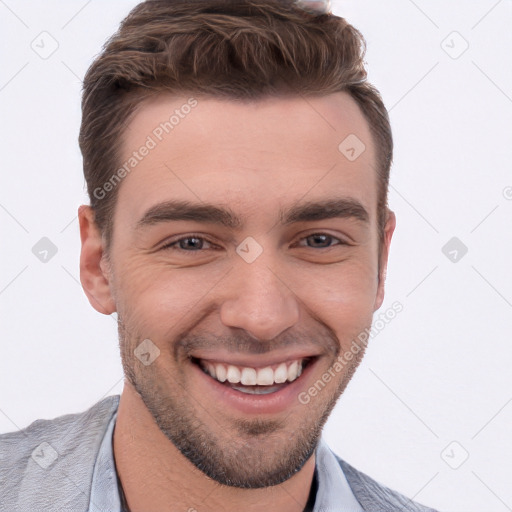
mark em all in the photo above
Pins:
pixel 388 233
pixel 94 274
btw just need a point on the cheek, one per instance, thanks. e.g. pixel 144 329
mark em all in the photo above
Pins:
pixel 161 298
pixel 349 286
pixel 343 298
pixel 158 298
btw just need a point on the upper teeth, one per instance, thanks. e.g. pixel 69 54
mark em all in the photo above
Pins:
pixel 247 376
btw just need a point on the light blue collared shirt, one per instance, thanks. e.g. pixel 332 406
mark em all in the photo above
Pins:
pixel 333 492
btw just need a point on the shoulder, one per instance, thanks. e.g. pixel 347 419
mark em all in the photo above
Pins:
pixel 375 497
pixel 52 456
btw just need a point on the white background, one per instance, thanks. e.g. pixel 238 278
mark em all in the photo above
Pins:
pixel 438 373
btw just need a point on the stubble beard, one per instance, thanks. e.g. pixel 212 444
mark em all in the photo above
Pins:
pixel 249 454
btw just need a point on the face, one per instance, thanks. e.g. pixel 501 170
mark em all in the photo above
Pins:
pixel 244 247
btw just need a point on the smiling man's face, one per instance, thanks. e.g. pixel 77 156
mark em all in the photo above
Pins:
pixel 244 240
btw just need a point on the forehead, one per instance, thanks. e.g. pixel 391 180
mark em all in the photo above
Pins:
pixel 257 155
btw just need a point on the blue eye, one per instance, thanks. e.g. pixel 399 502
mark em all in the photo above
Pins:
pixel 183 245
pixel 196 243
pixel 322 237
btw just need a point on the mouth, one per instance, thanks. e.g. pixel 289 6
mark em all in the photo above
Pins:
pixel 255 380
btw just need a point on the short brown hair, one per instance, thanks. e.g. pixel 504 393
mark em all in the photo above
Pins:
pixel 239 49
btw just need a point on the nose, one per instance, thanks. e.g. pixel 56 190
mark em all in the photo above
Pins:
pixel 259 300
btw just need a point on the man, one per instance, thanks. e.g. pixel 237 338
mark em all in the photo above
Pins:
pixel 237 163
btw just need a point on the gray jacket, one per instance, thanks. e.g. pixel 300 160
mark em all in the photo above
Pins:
pixel 29 486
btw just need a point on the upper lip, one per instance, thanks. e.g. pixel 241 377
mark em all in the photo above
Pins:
pixel 254 361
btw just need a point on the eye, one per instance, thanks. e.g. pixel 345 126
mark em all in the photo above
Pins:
pixel 189 243
pixel 323 239
pixel 196 243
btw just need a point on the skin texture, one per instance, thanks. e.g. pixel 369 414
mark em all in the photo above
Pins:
pixel 176 448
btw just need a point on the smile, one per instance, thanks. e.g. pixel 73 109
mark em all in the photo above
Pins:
pixel 250 380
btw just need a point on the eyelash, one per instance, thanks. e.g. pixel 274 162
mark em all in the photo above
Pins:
pixel 200 237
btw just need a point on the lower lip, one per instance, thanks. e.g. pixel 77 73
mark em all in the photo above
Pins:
pixel 269 403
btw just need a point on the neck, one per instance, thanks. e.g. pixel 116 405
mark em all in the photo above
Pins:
pixel 156 476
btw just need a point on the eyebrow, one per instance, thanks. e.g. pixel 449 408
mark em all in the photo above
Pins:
pixel 179 210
